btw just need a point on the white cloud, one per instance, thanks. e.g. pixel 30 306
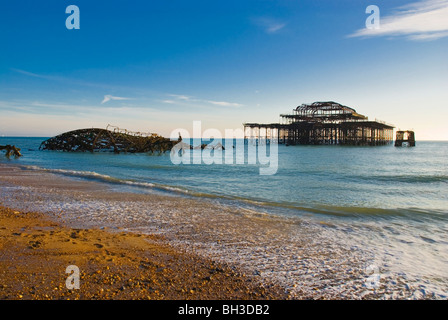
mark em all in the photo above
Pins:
pixel 269 25
pixel 109 98
pixel 423 20
pixel 224 103
pixel 213 102
pixel 274 27
pixel 70 81
pixel 31 74
pixel 180 97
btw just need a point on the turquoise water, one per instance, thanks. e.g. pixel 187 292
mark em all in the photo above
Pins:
pixel 336 180
pixel 388 204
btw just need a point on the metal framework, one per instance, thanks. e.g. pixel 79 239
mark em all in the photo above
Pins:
pixel 405 138
pixel 108 140
pixel 323 112
pixel 323 123
pixel 11 150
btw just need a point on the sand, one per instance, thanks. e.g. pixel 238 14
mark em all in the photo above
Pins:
pixel 35 252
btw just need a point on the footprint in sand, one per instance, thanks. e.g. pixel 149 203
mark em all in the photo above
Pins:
pixel 34 244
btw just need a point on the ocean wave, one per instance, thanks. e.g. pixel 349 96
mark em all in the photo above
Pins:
pixel 92 175
pixel 406 178
pixel 352 211
pixel 287 208
pixel 379 212
pixel 75 173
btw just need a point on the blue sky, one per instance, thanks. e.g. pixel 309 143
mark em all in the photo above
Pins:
pixel 159 65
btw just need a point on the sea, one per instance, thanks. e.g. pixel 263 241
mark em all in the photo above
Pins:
pixel 332 222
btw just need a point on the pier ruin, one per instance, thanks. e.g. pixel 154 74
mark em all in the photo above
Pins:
pixel 323 123
pixel 11 151
pixel 405 138
pixel 111 139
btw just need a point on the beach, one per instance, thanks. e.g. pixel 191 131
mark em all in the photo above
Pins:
pixel 384 237
pixel 254 247
pixel 36 249
pixel 113 265
pixel 238 150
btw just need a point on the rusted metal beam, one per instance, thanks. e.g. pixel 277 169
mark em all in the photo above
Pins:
pixel 11 151
pixel 104 140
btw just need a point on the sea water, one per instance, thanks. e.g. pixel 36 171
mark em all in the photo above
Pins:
pixel 369 221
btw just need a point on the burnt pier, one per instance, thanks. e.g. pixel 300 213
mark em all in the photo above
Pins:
pixel 323 123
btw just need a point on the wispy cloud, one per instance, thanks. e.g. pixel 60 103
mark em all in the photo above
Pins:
pixel 269 25
pixel 224 103
pixel 180 97
pixel 55 108
pixel 184 98
pixel 43 108
pixel 70 81
pixel 108 98
pixel 35 75
pixel 423 20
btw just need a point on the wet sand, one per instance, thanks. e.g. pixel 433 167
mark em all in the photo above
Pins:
pixel 35 252
pixel 114 263
pixel 196 248
pixel 252 251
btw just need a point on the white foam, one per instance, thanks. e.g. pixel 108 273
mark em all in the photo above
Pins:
pixel 308 258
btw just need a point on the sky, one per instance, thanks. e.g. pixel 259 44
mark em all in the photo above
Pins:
pixel 158 65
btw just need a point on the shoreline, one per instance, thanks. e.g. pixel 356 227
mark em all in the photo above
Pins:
pixel 114 262
pixel 36 250
pixel 290 257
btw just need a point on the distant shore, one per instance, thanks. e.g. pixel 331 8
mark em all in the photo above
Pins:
pixel 36 249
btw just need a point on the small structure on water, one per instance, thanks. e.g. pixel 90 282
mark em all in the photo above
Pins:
pixel 405 138
pixel 323 123
pixel 11 150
